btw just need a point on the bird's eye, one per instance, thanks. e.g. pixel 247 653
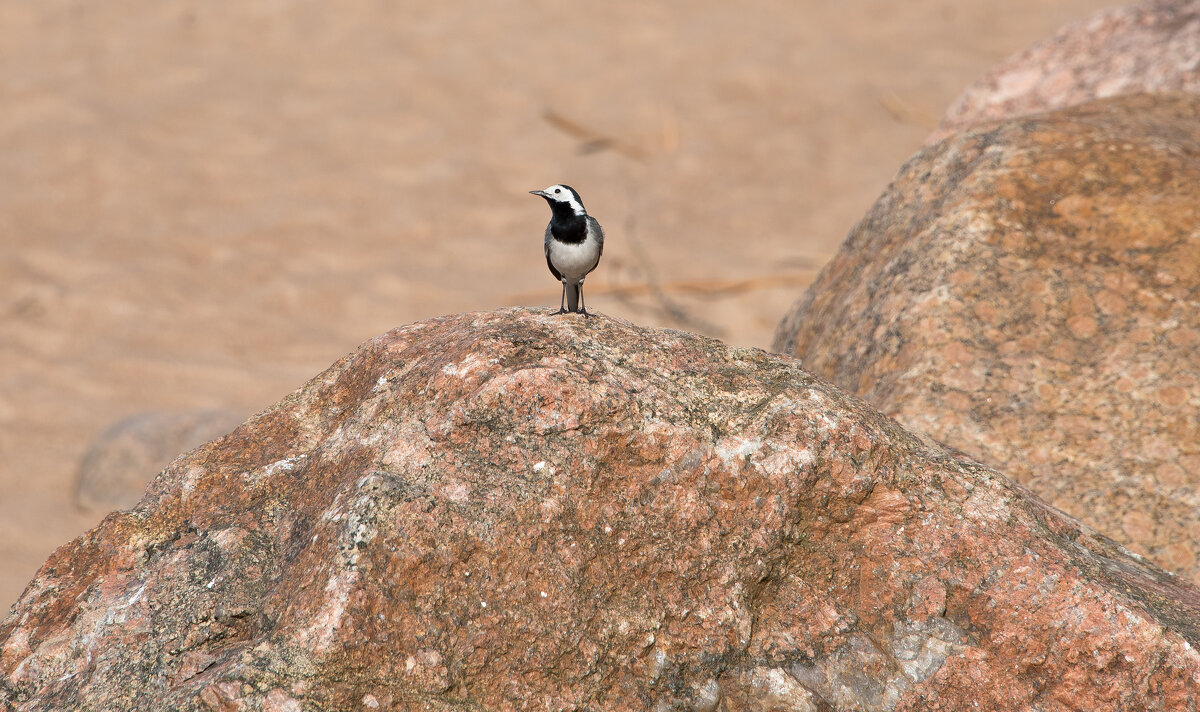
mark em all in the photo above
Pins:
pixel 558 190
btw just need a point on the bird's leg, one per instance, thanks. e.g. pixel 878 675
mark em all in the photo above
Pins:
pixel 562 304
pixel 582 309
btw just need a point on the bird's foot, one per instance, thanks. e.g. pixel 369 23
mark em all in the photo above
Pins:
pixel 587 314
pixel 561 310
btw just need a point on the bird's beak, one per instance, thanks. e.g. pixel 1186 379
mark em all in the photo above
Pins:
pixel 539 192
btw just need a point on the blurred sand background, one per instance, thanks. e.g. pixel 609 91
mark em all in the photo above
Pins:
pixel 203 205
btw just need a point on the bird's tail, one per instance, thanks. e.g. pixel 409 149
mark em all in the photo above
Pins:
pixel 573 296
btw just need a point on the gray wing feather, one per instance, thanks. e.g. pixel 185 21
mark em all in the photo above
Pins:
pixel 556 273
pixel 598 233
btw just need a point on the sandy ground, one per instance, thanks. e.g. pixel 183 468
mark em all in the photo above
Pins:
pixel 204 206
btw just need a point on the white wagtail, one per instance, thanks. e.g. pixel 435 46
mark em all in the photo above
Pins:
pixel 574 243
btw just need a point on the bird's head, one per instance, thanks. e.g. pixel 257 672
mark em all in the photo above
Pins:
pixel 562 196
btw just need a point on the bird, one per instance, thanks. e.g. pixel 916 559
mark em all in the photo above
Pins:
pixel 574 243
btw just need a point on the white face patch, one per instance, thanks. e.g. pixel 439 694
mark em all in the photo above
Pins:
pixel 561 194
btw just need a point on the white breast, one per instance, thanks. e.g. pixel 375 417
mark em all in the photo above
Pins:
pixel 575 260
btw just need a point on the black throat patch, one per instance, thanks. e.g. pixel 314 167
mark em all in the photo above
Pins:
pixel 565 225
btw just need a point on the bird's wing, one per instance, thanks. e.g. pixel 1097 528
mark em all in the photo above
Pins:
pixel 598 233
pixel 553 271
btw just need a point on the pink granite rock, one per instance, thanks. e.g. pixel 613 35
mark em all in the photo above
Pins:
pixel 1151 47
pixel 513 510
pixel 1029 292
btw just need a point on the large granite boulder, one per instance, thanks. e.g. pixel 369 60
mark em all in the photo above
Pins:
pixel 1029 293
pixel 513 510
pixel 1147 47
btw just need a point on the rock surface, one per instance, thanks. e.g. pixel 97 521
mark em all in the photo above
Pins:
pixel 1149 47
pixel 513 510
pixel 1029 292
pixel 127 455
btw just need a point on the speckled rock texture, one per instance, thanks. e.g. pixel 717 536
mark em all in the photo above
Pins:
pixel 1029 293
pixel 513 510
pixel 1149 47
